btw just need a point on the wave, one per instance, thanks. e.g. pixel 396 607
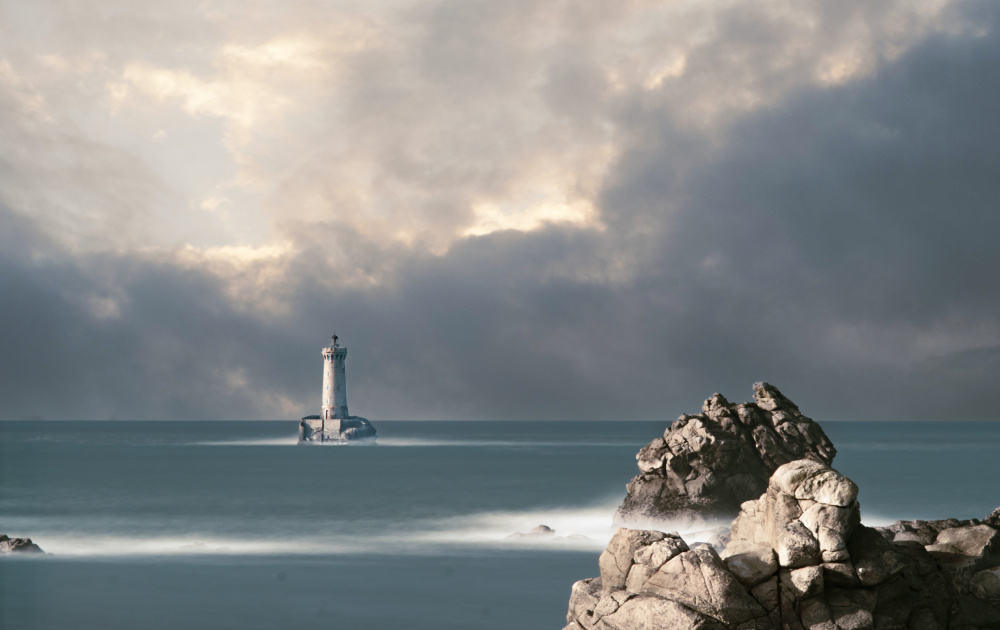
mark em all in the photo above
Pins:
pixel 581 528
pixel 420 441
pixel 982 445
pixel 411 442
pixel 271 441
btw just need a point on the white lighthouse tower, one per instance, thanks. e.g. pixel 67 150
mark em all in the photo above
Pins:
pixel 335 424
pixel 334 382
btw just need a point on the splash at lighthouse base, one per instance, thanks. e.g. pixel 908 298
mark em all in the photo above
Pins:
pixel 349 430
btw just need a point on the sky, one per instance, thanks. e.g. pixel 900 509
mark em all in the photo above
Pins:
pixel 507 210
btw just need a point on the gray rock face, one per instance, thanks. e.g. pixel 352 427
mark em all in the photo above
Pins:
pixel 799 558
pixel 18 545
pixel 313 430
pixel 706 465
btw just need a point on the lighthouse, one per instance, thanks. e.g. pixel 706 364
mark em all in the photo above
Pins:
pixel 334 381
pixel 335 424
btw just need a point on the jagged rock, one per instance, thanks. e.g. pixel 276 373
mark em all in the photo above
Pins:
pixel 618 557
pixel 545 534
pixel 583 600
pixel 993 520
pixel 538 531
pixel 18 545
pixel 799 559
pixel 706 465
pixel 648 560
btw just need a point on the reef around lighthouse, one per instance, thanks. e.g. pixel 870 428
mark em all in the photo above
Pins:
pixel 353 429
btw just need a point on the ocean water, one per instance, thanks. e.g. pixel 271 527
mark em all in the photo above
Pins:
pixel 231 525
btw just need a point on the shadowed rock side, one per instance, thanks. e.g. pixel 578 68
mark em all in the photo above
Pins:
pixel 17 545
pixel 706 465
pixel 799 559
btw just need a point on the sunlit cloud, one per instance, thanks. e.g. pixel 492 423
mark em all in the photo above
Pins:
pixel 255 279
pixel 671 69
pixel 78 64
pixel 211 204
pixel 243 104
pixel 28 99
pixel 295 54
pixel 530 213
pixel 835 71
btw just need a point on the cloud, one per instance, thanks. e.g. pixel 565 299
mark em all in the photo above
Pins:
pixel 87 194
pixel 507 210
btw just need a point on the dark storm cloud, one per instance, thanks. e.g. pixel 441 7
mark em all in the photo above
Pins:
pixel 62 361
pixel 862 216
pixel 838 242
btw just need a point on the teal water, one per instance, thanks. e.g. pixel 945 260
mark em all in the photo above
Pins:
pixel 231 525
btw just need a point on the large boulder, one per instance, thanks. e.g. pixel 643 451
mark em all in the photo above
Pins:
pixel 799 559
pixel 806 516
pixel 706 465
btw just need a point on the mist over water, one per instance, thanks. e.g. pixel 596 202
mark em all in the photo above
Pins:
pixel 193 524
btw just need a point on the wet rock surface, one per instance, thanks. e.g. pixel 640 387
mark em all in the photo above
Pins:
pixel 706 465
pixel 799 558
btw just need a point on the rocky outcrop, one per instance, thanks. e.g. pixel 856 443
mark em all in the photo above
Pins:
pixel 799 558
pixel 545 533
pixel 538 531
pixel 707 464
pixel 17 545
pixel 314 430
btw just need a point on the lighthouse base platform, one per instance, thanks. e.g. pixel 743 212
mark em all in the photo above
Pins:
pixel 353 429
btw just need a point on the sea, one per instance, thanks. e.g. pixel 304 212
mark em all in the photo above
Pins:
pixel 217 525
